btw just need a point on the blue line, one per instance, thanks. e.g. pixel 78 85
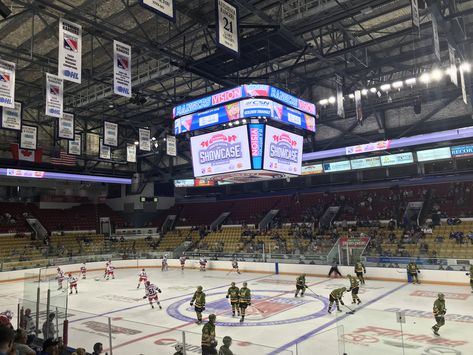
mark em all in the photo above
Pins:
pixel 166 299
pixel 326 325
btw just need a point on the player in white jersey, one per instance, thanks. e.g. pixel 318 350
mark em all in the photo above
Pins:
pixel 142 277
pixel 110 272
pixel 72 282
pixel 83 271
pixel 235 266
pixel 152 293
pixel 164 263
pixel 59 278
pixel 107 264
pixel 182 260
pixel 203 263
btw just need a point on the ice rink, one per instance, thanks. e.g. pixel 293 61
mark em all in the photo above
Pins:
pixel 276 323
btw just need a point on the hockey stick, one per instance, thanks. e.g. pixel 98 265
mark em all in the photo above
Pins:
pixel 313 291
pixel 352 311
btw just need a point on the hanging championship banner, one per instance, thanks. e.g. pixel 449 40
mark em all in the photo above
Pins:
pixel 435 31
pixel 227 26
pixel 415 14
pixel 11 117
pixel 462 83
pixel 453 65
pixel 105 151
pixel 145 139
pixel 70 51
pixel 131 153
pixel 171 146
pixel 359 109
pixel 29 137
pixel 75 146
pixel 110 134
pixel 340 108
pixel 7 84
pixel 66 126
pixel 121 69
pixel 161 7
pixel 54 95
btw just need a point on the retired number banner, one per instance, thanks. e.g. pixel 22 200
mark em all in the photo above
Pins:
pixel 75 146
pixel 7 84
pixel 121 69
pixel 11 117
pixel 29 137
pixel 66 126
pixel 70 51
pixel 104 151
pixel 227 26
pixel 161 7
pixel 110 134
pixel 171 147
pixel 131 153
pixel 145 139
pixel 54 95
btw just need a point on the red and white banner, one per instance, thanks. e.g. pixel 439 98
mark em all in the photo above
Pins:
pixel 35 156
pixel 359 242
pixel 70 51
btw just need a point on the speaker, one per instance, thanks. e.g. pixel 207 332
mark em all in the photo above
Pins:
pixel 4 10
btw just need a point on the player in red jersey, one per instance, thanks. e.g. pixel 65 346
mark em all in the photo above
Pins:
pixel 110 272
pixel 142 277
pixel 107 264
pixel 152 293
pixel 182 260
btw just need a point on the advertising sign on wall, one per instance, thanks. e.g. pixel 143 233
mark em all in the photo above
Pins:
pixel 397 159
pixel 312 169
pixel 282 151
pixel 462 151
pixel 434 154
pixel 342 165
pixel 365 163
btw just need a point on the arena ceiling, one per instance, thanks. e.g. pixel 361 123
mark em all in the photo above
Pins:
pixel 297 45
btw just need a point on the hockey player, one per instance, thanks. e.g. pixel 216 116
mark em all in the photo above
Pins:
pixel 152 293
pixel 179 349
pixel 225 348
pixel 110 271
pixel 354 288
pixel 182 260
pixel 199 300
pixel 300 285
pixel 202 263
pixel 412 271
pixel 164 263
pixel 235 266
pixel 83 271
pixel 209 343
pixel 107 264
pixel 244 300
pixel 334 270
pixel 337 297
pixel 471 277
pixel 360 270
pixel 233 293
pixel 59 278
pixel 72 282
pixel 439 313
pixel 142 277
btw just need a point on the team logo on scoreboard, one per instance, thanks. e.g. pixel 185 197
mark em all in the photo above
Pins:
pixel 220 149
pixel 283 148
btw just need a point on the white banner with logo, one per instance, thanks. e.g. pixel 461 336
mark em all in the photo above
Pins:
pixel 171 146
pixel 162 7
pixel 70 51
pixel 54 95
pixel 358 107
pixel 121 69
pixel 144 139
pixel 340 107
pixel 463 86
pixel 110 134
pixel 131 153
pixel 453 65
pixel 105 152
pixel 29 137
pixel 415 14
pixel 11 117
pixel 66 126
pixel 227 26
pixel 7 84
pixel 75 146
pixel 435 32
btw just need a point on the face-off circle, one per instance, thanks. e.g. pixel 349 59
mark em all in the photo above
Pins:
pixel 264 307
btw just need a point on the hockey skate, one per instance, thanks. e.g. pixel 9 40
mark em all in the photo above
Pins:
pixel 435 330
pixel 242 319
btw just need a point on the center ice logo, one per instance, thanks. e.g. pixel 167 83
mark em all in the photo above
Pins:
pixel 283 148
pixel 220 149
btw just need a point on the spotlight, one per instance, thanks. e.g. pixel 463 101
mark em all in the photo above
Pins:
pixel 230 124
pixel 137 143
pixel 164 139
pixel 153 138
pixel 351 96
pixel 243 121
pixel 436 74
pixel 237 122
pixel 465 67
pixel 398 84
pixel 323 102
pixel 331 100
pixel 364 92
pixel 385 87
pixel 373 90
pixel 411 81
pixel 111 105
pixel 425 78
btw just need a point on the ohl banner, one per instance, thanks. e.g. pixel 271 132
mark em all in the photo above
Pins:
pixel 131 153
pixel 7 84
pixel 121 69
pixel 161 7
pixel 66 126
pixel 227 26
pixel 70 51
pixel 11 117
pixel 144 139
pixel 54 96
pixel 75 146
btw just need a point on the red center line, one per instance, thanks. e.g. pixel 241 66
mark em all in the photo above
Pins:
pixel 205 318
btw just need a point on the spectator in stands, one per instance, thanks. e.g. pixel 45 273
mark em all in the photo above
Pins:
pixel 438 239
pixel 98 349
pixel 49 328
pixel 20 343
pixel 79 351
pixel 7 337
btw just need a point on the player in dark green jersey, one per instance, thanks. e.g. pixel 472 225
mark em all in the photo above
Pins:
pixel 354 288
pixel 300 285
pixel 439 313
pixel 199 300
pixel 244 300
pixel 471 277
pixel 412 271
pixel 360 270
pixel 337 297
pixel 234 293
pixel 209 342
pixel 225 348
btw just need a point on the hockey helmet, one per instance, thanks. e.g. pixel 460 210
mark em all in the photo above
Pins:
pixel 233 284
pixel 245 284
pixel 212 317
pixel 199 288
pixel 344 289
pixel 178 347
pixel 58 269
pixel 147 283
pixel 441 296
pixel 227 340
pixel 70 275
pixel 142 269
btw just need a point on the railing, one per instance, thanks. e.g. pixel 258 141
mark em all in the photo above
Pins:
pixel 448 264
